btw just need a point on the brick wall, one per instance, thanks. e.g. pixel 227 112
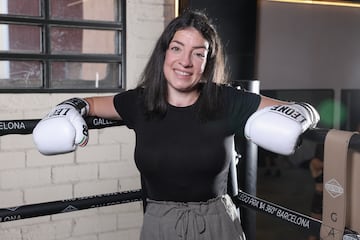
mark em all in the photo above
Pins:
pixel 105 165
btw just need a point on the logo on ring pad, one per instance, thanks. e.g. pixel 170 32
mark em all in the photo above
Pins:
pixel 334 188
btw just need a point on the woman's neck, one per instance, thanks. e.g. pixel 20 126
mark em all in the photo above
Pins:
pixel 183 99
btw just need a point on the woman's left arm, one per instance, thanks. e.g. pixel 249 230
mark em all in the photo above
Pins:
pixel 266 102
pixel 277 125
pixel 306 109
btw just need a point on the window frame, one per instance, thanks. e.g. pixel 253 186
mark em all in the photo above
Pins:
pixel 45 23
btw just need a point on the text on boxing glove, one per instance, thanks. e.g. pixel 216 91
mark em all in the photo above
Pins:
pixel 286 110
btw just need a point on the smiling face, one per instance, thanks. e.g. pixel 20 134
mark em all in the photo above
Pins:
pixel 185 61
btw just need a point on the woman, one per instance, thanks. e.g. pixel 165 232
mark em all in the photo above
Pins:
pixel 184 117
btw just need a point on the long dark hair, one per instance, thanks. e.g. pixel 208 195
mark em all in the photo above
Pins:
pixel 153 82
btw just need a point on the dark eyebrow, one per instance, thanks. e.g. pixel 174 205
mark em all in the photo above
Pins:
pixel 195 47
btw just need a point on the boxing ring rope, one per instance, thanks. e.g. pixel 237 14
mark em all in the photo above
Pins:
pixel 297 219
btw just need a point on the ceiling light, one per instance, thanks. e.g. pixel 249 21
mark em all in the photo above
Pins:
pixel 320 2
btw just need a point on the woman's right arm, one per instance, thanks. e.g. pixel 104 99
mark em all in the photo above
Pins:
pixel 64 128
pixel 103 107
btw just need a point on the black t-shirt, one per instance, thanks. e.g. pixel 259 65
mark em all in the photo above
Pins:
pixel 182 158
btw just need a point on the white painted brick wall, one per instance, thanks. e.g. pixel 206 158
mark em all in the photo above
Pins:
pixel 20 224
pixel 10 198
pixel 98 153
pixel 48 193
pixel 22 178
pixel 106 165
pixel 94 224
pixel 36 159
pixel 10 234
pixel 12 160
pixel 74 173
pixel 48 231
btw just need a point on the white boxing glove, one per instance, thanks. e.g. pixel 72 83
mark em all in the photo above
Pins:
pixel 63 129
pixel 278 128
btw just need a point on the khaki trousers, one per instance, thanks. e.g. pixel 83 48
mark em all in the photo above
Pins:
pixel 216 219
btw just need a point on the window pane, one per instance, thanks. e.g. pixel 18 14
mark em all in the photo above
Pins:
pixel 61 44
pixel 104 10
pixel 88 41
pixel 20 7
pixel 20 38
pixel 20 74
pixel 72 75
pixel 120 43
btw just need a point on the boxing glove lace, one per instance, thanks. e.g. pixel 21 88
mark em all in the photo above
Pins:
pixel 278 128
pixel 63 128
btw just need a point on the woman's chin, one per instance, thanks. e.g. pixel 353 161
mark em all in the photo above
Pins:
pixel 185 86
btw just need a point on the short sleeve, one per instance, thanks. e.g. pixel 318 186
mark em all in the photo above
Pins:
pixel 127 105
pixel 241 104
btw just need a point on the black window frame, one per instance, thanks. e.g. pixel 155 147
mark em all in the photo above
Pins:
pixel 46 57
